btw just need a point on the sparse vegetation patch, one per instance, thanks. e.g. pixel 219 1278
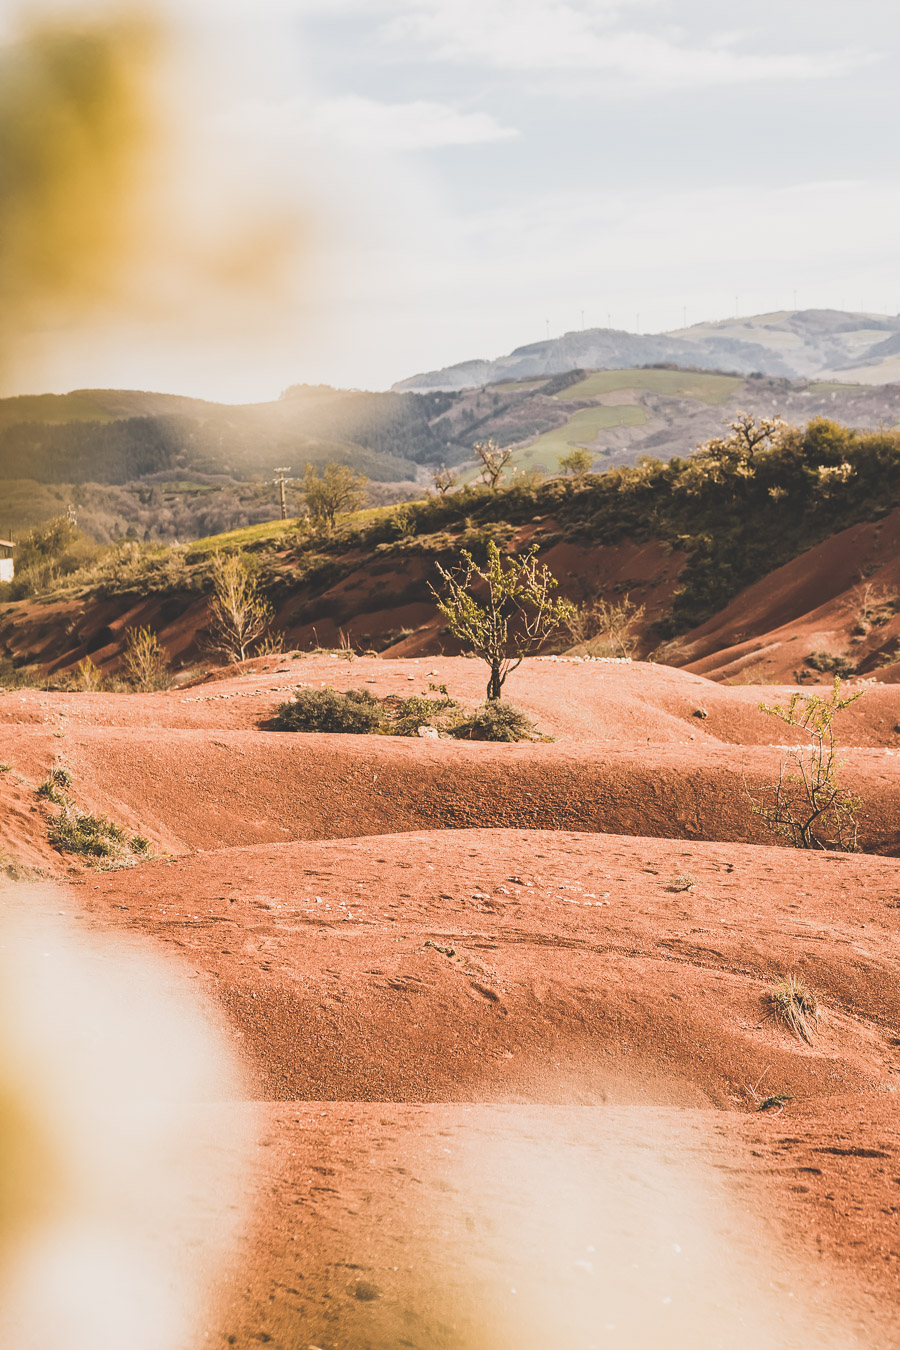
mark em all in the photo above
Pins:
pixel 94 837
pixel 795 1005
pixel 806 805
pixel 359 712
pixel 496 720
pixel 356 711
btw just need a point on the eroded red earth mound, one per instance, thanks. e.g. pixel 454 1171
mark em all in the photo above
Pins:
pixel 507 1009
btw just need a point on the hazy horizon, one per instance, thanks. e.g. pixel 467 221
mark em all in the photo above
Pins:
pixel 439 180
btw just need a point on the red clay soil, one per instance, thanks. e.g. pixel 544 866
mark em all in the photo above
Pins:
pixel 812 604
pixel 193 768
pixel 507 1009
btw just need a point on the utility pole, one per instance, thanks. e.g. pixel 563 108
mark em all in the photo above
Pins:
pixel 71 517
pixel 279 480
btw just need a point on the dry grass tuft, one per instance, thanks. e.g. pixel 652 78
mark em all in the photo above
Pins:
pixel 797 1007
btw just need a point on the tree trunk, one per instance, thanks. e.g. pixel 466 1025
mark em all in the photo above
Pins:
pixel 494 683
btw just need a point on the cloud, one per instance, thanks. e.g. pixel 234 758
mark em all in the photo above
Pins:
pixel 592 36
pixel 364 123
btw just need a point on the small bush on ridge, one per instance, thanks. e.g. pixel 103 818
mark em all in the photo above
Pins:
pixel 408 714
pixel 56 785
pixel 145 663
pixel 356 711
pixel 496 721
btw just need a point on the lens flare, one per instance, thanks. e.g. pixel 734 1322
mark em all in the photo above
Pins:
pixel 121 1145
pixel 137 216
pixel 78 128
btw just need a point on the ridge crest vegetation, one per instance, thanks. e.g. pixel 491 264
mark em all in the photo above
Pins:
pixel 739 506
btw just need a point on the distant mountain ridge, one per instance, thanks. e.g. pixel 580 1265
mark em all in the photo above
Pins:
pixel 794 344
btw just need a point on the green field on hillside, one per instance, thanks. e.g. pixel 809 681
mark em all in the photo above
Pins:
pixel 581 429
pixel 269 530
pixel 516 386
pixel 273 530
pixel 712 389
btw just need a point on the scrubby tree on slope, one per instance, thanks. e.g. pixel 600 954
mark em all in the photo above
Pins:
pixel 516 616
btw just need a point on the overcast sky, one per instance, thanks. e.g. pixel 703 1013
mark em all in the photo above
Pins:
pixel 472 171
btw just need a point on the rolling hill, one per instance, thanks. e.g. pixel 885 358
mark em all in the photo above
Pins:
pixel 161 467
pixel 795 344
pixel 786 559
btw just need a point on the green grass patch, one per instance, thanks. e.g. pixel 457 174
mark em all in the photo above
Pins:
pixel 266 531
pixel 582 428
pixel 275 531
pixel 713 389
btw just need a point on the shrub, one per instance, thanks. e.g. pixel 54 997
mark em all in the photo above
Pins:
pixel 806 805
pixel 239 612
pixel 56 785
pixel 496 721
pixel 578 462
pixel 145 664
pixel 328 710
pixel 88 677
pixel 831 664
pixel 604 628
pixel 408 714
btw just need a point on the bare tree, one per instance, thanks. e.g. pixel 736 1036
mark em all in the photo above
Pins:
pixel 443 479
pixel 239 612
pixel 144 662
pixel 516 617
pixel 493 461
pixel 749 434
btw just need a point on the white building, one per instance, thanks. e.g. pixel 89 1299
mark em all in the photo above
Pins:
pixel 7 566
